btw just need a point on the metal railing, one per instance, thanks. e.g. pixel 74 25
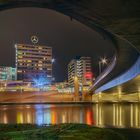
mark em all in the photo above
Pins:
pixel 106 71
pixel 128 75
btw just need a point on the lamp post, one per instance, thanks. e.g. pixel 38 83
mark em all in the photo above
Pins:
pixel 53 60
pixel 102 61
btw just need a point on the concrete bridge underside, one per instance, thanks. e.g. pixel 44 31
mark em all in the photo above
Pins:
pixel 117 20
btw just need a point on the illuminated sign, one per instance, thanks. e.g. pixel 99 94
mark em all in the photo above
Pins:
pixel 34 39
pixel 88 75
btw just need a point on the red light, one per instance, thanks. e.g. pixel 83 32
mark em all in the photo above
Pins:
pixel 88 75
pixel 89 117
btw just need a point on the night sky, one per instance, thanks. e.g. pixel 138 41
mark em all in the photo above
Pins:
pixel 67 38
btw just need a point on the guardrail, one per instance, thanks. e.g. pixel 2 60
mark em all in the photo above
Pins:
pixel 128 75
pixel 106 71
pixel 124 67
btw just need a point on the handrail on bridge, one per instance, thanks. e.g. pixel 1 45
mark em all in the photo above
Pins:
pixel 106 71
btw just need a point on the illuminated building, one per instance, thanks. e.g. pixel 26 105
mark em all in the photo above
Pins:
pixel 85 72
pixel 61 85
pixel 80 68
pixel 7 73
pixel 72 71
pixel 33 60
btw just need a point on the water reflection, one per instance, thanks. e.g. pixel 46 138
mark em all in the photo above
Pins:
pixel 98 115
pixel 135 115
pixel 117 115
pixel 46 114
pixel 102 115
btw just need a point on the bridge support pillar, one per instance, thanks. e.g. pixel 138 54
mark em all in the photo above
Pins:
pixel 138 97
pixel 119 96
pixel 99 96
pixel 76 89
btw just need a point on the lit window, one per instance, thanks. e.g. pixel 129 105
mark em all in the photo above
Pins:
pixel 40 65
pixel 40 61
pixel 29 60
pixel 19 60
pixel 19 52
pixel 40 48
pixel 19 56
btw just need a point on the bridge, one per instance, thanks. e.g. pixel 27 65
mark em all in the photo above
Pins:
pixel 116 20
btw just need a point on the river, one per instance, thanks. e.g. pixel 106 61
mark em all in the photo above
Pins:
pixel 102 115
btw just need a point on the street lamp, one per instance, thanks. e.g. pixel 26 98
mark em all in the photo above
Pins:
pixel 102 61
pixel 53 60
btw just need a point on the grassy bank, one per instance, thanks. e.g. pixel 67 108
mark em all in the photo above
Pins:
pixel 58 132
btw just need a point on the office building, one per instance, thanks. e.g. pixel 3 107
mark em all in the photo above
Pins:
pixel 7 73
pixel 33 61
pixel 85 71
pixel 81 68
pixel 72 71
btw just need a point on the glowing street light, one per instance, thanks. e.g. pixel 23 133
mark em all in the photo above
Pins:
pixel 102 61
pixel 53 60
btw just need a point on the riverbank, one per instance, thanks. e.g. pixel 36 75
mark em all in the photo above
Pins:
pixel 49 103
pixel 34 97
pixel 9 98
pixel 61 132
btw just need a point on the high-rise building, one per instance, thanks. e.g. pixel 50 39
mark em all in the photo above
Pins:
pixel 7 73
pixel 85 71
pixel 33 61
pixel 72 71
pixel 81 68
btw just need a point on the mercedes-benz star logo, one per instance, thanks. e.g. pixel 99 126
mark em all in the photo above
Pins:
pixel 34 39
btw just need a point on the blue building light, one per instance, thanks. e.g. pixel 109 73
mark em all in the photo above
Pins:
pixel 40 81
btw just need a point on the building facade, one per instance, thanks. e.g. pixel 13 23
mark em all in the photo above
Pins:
pixel 7 73
pixel 85 71
pixel 81 68
pixel 72 71
pixel 33 61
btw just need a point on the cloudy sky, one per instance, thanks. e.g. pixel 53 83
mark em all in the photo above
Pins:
pixel 67 38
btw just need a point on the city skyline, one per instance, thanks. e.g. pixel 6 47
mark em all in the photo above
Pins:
pixel 33 60
pixel 65 37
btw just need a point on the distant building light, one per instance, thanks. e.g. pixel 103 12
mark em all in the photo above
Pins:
pixel 53 60
pixel 29 60
pixel 40 48
pixel 88 75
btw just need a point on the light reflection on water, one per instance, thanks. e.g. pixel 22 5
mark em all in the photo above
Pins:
pixel 102 115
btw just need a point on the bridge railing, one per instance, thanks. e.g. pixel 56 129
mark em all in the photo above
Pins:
pixel 106 71
pixel 128 75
